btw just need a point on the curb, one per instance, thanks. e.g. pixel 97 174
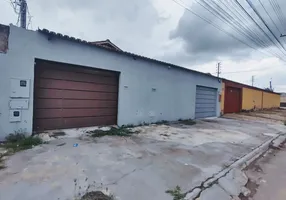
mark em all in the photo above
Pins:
pixel 240 164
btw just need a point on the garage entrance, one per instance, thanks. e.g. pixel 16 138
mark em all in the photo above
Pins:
pixel 68 96
pixel 206 101
pixel 232 103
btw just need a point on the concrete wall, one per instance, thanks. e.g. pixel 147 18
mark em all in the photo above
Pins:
pixel 173 99
pixel 283 98
pixel 271 100
pixel 251 99
pixel 257 99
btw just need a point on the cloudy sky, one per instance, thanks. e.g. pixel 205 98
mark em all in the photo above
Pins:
pixel 163 30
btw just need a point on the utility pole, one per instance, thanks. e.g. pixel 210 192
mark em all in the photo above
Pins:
pixel 218 69
pixel 252 80
pixel 23 13
pixel 270 85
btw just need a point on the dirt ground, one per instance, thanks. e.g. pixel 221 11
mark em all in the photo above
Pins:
pixel 271 115
pixel 139 167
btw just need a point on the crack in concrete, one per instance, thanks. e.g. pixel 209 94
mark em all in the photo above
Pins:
pixel 127 174
pixel 123 176
pixel 202 187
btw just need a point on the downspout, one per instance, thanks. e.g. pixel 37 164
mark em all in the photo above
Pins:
pixel 262 101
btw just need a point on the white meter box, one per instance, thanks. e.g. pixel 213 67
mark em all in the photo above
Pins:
pixel 15 115
pixel 20 88
pixel 21 104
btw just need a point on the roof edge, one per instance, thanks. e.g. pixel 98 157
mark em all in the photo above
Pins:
pixel 249 86
pixel 66 37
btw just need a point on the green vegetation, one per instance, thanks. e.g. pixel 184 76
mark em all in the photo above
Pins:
pixel 189 122
pixel 176 193
pixel 121 131
pixel 18 142
pixel 96 195
pixel 81 193
pixel 2 156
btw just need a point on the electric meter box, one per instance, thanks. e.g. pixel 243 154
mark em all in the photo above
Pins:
pixel 20 88
pixel 15 115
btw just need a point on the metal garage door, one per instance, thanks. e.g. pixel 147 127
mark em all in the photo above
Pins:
pixel 232 103
pixel 206 101
pixel 67 96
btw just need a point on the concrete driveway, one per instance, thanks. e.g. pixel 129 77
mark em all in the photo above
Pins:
pixel 141 167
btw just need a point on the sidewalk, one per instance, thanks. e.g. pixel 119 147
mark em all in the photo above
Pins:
pixel 268 177
pixel 141 167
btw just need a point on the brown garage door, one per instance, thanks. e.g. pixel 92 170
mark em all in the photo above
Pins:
pixel 66 96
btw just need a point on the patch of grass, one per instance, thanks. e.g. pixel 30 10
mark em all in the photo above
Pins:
pixel 121 131
pixel 189 122
pixel 2 164
pixel 18 142
pixel 91 192
pixel 176 193
pixel 162 122
pixel 2 159
pixel 96 195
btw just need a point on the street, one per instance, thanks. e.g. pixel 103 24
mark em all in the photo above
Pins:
pixel 270 174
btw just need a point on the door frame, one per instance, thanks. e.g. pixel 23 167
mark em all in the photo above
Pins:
pixel 76 66
pixel 233 85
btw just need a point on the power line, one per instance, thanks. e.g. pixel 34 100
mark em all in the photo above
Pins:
pixel 219 12
pixel 243 9
pixel 237 28
pixel 254 70
pixel 218 27
pixel 258 14
pixel 269 16
pixel 241 22
pixel 278 12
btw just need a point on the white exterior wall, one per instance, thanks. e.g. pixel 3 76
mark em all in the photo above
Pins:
pixel 173 99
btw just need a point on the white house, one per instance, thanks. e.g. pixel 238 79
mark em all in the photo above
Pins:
pixel 53 81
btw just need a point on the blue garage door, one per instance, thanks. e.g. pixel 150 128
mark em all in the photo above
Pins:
pixel 206 101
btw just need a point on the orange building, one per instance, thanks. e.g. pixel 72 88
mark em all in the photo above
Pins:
pixel 236 97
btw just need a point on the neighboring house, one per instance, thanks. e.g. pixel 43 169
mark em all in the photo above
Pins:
pixel 237 97
pixel 107 44
pixel 53 81
pixel 283 100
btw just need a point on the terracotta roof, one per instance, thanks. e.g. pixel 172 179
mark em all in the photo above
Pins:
pixel 249 86
pixel 107 43
pixel 51 34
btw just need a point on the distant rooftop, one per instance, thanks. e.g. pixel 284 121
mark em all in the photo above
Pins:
pixel 107 44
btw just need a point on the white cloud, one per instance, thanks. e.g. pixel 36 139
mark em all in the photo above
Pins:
pixel 145 27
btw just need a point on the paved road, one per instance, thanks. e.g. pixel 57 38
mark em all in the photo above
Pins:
pixel 272 178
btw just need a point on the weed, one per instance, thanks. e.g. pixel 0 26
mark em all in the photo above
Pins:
pixel 90 192
pixel 18 141
pixel 2 164
pixel 285 123
pixel 189 122
pixel 121 131
pixel 3 155
pixel 162 122
pixel 176 193
pixel 128 126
